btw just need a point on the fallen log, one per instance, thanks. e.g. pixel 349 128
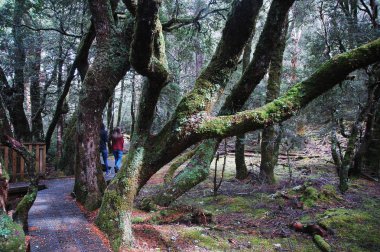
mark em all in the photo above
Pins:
pixel 321 243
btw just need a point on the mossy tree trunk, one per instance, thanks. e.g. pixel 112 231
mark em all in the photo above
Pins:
pixel 234 102
pixel 196 171
pixel 357 146
pixel 66 163
pixel 271 137
pixel 191 122
pixel 372 155
pixel 363 156
pixel 35 89
pixel 110 65
pixel 177 162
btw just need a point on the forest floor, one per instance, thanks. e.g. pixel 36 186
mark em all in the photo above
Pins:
pixel 250 216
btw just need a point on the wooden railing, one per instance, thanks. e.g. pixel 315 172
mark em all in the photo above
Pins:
pixel 15 164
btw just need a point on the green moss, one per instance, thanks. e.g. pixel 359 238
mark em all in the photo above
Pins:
pixel 12 237
pixel 202 239
pixel 321 243
pixel 228 204
pixel 4 169
pixel 138 219
pixel 357 229
pixel 258 243
pixel 328 193
pixel 310 196
pixel 108 219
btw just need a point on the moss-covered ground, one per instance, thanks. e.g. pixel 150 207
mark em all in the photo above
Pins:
pixel 250 216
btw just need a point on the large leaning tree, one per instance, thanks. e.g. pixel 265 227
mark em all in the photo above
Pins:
pixel 139 41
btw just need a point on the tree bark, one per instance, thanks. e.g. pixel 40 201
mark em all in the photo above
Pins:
pixel 271 138
pixel 14 96
pixel 35 89
pixel 196 171
pixel 60 123
pixel 110 65
pixel 119 110
pixel 372 155
pixel 5 124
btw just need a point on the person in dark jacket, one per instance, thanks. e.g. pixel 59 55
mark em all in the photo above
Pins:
pixel 103 146
pixel 117 141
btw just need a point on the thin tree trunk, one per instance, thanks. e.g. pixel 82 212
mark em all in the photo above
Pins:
pixel 110 112
pixel 60 122
pixel 35 89
pixel 121 101
pixel 241 167
pixel 133 102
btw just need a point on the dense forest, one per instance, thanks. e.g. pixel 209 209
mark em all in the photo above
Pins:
pixel 244 124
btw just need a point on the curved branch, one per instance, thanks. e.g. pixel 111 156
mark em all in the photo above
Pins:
pixel 148 51
pixel 176 23
pixel 326 77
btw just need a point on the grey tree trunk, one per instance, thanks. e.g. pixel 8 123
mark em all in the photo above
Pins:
pixel 14 98
pixel 121 100
pixel 35 89
pixel 98 86
pixel 271 137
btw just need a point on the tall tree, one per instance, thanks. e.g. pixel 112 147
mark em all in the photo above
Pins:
pixel 271 137
pixel 35 88
pixel 194 173
pixel 241 167
pixel 111 62
pixel 13 96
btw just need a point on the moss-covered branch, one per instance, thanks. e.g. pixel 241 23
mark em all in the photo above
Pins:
pixel 148 47
pixel 237 31
pixel 327 76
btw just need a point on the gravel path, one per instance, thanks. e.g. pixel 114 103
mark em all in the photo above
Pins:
pixel 57 224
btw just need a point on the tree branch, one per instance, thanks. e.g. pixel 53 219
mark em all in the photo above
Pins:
pixel 238 29
pixel 176 23
pixel 102 19
pixel 147 57
pixel 325 78
pixel 82 54
pixel 61 31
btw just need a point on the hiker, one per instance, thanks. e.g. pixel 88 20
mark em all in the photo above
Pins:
pixel 103 146
pixel 117 141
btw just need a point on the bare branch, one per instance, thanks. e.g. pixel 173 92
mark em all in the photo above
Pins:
pixel 61 31
pixel 176 23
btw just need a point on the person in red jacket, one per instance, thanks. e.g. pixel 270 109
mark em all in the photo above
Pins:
pixel 117 142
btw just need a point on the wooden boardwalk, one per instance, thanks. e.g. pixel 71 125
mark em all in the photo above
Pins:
pixel 57 224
